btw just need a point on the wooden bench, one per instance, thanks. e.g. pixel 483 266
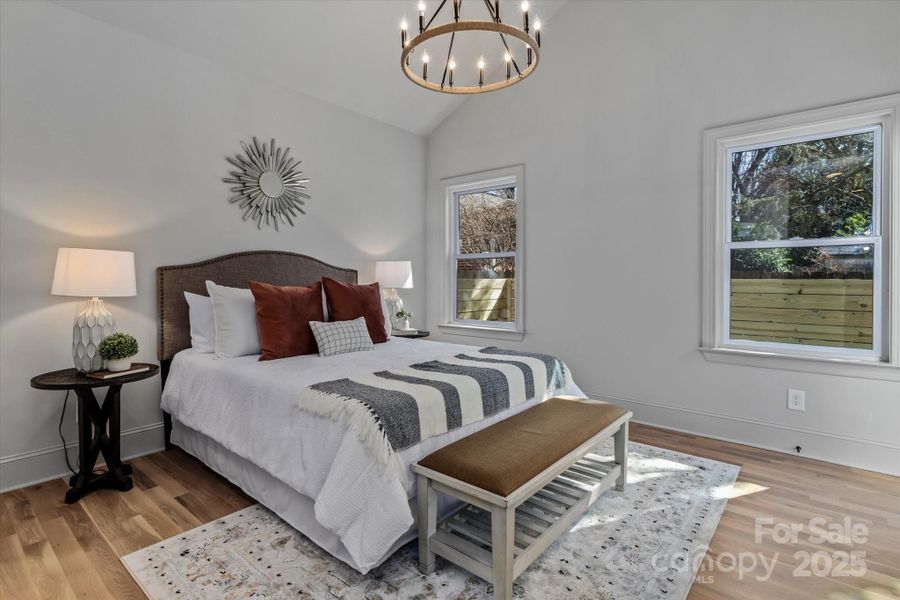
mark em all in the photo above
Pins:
pixel 525 481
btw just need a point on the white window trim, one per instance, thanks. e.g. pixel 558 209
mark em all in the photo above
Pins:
pixel 514 175
pixel 717 143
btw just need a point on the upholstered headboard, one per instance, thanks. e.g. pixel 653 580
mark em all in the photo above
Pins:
pixel 235 270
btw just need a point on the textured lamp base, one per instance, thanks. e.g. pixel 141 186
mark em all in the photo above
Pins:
pixel 92 325
pixel 394 304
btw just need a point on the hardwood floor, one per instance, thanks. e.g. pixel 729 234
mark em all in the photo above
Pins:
pixel 52 550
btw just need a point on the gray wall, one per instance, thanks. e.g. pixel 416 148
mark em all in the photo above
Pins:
pixel 110 140
pixel 609 130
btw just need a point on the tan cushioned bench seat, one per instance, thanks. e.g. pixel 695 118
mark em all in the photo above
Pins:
pixel 503 457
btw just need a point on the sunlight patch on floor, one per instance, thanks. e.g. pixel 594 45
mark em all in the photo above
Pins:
pixel 740 488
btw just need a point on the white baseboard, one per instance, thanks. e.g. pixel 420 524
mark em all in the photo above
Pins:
pixel 36 466
pixel 872 455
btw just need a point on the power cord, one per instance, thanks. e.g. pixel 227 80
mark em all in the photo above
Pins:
pixel 65 449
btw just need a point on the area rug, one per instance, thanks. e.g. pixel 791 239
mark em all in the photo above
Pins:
pixel 639 543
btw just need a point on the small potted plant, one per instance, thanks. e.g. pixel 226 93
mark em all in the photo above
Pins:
pixel 403 317
pixel 117 350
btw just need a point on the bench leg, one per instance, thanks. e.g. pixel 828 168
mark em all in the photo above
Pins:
pixel 503 528
pixel 427 501
pixel 621 453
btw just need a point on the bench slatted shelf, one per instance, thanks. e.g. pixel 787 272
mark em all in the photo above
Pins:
pixel 497 537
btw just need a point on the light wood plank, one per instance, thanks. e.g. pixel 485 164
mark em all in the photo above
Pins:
pixel 810 316
pixel 15 579
pixel 804 301
pixel 80 571
pixel 842 287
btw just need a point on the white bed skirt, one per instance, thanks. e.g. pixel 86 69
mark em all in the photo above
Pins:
pixel 296 509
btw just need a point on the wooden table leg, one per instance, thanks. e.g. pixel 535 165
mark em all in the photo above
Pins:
pixel 85 434
pixel 98 432
pixel 113 400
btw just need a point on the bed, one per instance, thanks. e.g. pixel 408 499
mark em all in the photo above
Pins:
pixel 240 417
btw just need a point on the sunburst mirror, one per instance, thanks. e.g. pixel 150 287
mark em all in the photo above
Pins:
pixel 268 185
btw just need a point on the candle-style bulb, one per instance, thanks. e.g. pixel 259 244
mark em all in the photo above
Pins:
pixel 403 27
pixel 421 16
pixel 421 6
pixel 525 14
pixel 425 57
pixel 425 66
pixel 537 31
pixel 481 71
pixel 481 63
pixel 524 5
pixel 507 58
pixel 451 64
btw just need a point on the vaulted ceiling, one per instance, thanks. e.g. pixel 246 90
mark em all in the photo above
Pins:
pixel 345 52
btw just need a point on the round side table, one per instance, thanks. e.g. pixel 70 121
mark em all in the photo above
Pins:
pixel 99 428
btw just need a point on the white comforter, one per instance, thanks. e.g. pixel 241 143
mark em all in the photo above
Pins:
pixel 250 407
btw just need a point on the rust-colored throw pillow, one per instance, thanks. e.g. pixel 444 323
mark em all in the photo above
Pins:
pixel 282 317
pixel 347 301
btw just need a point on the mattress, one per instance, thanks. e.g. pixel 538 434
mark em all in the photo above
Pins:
pixel 249 408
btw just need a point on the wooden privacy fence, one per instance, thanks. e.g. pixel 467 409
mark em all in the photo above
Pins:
pixel 821 312
pixel 481 298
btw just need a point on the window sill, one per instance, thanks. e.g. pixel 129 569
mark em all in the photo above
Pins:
pixel 499 333
pixel 866 369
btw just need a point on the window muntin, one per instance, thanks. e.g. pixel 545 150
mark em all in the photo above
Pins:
pixel 485 234
pixel 803 249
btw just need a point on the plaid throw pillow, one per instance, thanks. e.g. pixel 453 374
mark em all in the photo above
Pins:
pixel 341 337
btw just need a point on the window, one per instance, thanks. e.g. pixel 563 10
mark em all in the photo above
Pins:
pixel 485 254
pixel 797 220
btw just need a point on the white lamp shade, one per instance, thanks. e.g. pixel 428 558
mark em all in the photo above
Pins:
pixel 394 273
pixel 89 273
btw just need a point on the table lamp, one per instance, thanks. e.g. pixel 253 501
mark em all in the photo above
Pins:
pixel 91 274
pixel 393 274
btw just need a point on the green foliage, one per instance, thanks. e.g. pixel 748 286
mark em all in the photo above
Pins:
pixel 766 260
pixel 404 314
pixel 118 346
pixel 855 224
pixel 813 189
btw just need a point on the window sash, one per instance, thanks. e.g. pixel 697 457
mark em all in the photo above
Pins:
pixel 877 160
pixel 454 309
pixel 728 245
pixel 805 349
pixel 455 255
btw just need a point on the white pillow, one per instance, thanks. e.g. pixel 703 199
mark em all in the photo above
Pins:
pixel 203 323
pixel 235 315
pixel 341 337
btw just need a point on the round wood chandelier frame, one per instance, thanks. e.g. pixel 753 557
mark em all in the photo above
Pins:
pixel 451 29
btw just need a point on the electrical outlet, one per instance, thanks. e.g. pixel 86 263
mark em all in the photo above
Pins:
pixel 796 400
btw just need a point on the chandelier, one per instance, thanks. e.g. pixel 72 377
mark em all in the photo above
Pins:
pixel 509 37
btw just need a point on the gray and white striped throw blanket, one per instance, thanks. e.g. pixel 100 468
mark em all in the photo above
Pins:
pixel 395 409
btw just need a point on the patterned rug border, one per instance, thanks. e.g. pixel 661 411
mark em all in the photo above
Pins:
pixel 634 447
